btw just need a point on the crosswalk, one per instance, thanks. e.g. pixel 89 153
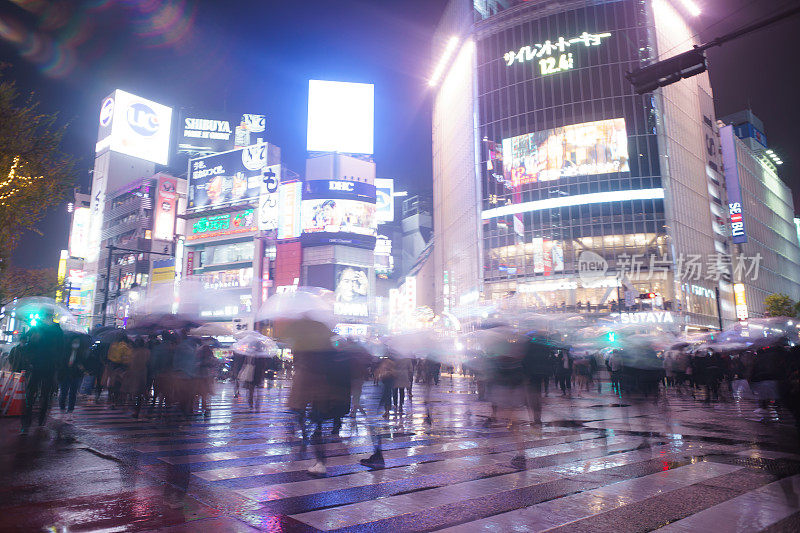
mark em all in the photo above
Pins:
pixel 595 464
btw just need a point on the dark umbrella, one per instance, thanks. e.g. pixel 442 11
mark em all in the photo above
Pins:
pixel 164 321
pixel 107 334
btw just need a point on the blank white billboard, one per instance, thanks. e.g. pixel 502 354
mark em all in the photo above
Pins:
pixel 341 117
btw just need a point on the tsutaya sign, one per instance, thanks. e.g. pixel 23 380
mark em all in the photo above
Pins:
pixel 554 56
pixel 647 317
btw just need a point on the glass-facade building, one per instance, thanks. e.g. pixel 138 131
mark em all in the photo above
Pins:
pixel 587 194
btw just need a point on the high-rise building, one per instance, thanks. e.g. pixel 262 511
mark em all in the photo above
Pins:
pixel 556 186
pixel 761 213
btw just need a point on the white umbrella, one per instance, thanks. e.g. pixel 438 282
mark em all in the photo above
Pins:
pixel 34 308
pixel 212 329
pixel 306 303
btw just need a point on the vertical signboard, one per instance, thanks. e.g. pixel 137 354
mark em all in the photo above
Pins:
pixel 79 234
pixel 269 199
pixel 740 301
pixel 166 208
pixel 384 200
pixel 289 226
pixel 352 291
pixel 732 186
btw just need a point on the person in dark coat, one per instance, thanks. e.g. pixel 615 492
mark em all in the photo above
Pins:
pixel 537 367
pixel 46 345
pixel 71 369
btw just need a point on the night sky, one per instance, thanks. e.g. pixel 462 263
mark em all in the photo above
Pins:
pixel 257 56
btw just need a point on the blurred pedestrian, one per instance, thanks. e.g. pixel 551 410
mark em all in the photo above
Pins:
pixel 403 369
pixel 70 371
pixel 134 379
pixel 46 346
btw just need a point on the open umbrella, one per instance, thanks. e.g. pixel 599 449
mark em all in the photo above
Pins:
pixel 163 321
pixel 212 329
pixel 306 303
pixel 255 346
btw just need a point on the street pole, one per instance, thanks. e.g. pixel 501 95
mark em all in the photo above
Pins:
pixel 719 307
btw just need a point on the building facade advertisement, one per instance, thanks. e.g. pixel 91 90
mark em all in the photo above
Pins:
pixel 338 216
pixel 740 301
pixel 269 200
pixel 585 149
pixel 79 234
pixel 229 177
pixel 289 223
pixel 166 208
pixel 200 133
pixel 731 164
pixel 227 279
pixel 341 117
pixel 384 200
pixel 224 224
pixel 352 291
pixel 163 271
pixel 189 262
pixel 135 126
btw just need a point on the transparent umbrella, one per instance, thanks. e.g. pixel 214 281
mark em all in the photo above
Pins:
pixel 33 309
pixel 255 346
pixel 306 303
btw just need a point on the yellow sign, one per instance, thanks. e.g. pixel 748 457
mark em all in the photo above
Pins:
pixel 163 274
pixel 740 301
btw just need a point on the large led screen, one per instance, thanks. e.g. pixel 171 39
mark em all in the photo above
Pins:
pixel 341 117
pixel 352 291
pixel 583 149
pixel 338 216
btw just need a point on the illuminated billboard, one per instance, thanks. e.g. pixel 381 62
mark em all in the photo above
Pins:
pixel 384 199
pixel 166 208
pixel 583 149
pixel 79 235
pixel 338 212
pixel 338 216
pixel 731 169
pixel 289 226
pixel 227 279
pixel 135 126
pixel 229 177
pixel 201 133
pixel 269 199
pixel 352 291
pixel 341 117
pixel 548 256
pixel 222 225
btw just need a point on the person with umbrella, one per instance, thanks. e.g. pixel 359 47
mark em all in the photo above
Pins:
pixel 46 345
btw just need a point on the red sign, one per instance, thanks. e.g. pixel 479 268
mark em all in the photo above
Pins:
pixel 189 263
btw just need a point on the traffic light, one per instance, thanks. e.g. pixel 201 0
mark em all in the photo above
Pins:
pixel 668 71
pixel 647 296
pixel 611 336
pixel 33 319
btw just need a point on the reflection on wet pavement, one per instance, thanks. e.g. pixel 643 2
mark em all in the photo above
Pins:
pixel 595 464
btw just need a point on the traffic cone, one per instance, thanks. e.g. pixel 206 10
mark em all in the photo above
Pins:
pixel 7 388
pixel 17 405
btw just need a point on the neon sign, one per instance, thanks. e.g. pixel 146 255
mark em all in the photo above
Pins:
pixel 227 224
pixel 554 56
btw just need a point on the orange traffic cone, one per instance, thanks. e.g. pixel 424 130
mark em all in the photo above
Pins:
pixel 17 404
pixel 7 389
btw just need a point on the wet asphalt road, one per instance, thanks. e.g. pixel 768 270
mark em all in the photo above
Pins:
pixel 597 463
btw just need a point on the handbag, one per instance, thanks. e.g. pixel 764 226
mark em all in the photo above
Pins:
pixel 247 372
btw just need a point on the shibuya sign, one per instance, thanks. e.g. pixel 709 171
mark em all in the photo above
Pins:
pixel 554 56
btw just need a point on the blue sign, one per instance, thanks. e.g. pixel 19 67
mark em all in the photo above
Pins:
pixel 731 164
pixel 339 190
